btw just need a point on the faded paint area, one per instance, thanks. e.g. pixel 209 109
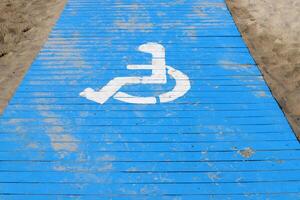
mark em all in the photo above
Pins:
pixel 175 24
pixel 63 142
pixel 60 140
pixel 199 11
pixel 59 168
pixel 134 25
pixel 227 64
pixel 69 50
pixel 105 168
pixel 174 3
pixel 33 145
pixel 247 152
pixel 211 5
pixel 204 10
pixel 191 33
pixel 261 94
pixel 214 176
pixel 137 21
pixel 106 157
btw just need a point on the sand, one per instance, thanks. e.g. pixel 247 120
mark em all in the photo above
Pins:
pixel 269 27
pixel 24 28
pixel 271 30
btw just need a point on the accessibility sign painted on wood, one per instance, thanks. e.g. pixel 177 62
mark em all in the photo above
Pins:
pixel 133 99
pixel 158 76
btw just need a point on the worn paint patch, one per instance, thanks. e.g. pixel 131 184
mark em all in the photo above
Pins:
pixel 225 64
pixel 70 50
pixel 59 168
pixel 105 168
pixel 106 157
pixel 33 145
pixel 64 142
pixel 138 21
pixel 60 140
pixel 213 176
pixel 199 11
pixel 191 33
pixel 133 25
pixel 261 94
pixel 247 152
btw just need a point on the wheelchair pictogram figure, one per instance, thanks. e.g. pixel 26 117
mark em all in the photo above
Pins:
pixel 158 76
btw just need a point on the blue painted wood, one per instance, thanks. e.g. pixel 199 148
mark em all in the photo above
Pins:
pixel 225 139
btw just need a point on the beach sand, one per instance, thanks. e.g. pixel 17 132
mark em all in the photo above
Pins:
pixel 271 30
pixel 24 28
pixel 269 27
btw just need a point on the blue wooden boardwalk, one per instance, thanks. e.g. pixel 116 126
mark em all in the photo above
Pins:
pixel 226 138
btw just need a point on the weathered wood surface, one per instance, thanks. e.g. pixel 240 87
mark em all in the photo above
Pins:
pixel 225 139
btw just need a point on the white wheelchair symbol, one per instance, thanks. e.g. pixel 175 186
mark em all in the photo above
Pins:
pixel 159 76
